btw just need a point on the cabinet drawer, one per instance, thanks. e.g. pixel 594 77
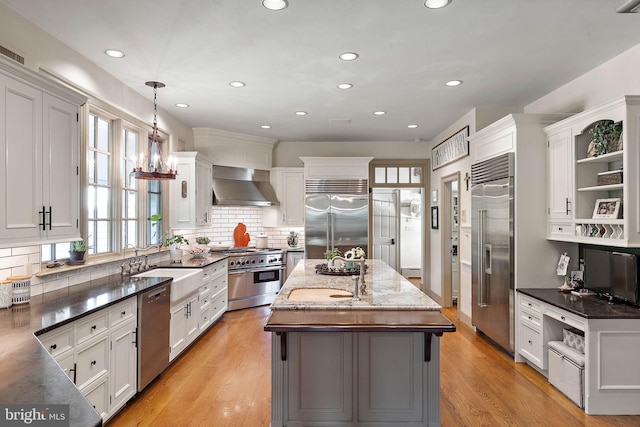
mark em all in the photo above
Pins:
pixel 58 341
pixel 65 361
pixel 205 302
pixel 530 319
pixel 560 229
pixel 218 304
pixel 205 290
pixel 98 395
pixel 92 362
pixel 215 270
pixel 567 318
pixel 531 305
pixel 205 317
pixel 531 345
pixel 91 326
pixel 123 311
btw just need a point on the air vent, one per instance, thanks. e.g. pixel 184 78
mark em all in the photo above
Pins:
pixel 10 54
pixel 345 121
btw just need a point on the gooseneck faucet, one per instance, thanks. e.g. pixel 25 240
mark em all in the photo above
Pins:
pixel 360 278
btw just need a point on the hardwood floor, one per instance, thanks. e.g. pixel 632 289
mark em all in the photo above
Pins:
pixel 224 381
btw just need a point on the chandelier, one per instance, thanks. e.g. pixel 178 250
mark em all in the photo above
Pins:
pixel 157 167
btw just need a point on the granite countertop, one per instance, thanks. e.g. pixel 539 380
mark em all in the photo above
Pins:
pixel 294 249
pixel 386 290
pixel 588 306
pixel 29 374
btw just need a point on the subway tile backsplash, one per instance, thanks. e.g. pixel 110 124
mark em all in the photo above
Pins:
pixel 23 260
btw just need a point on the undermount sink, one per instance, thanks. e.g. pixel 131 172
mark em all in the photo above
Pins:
pixel 185 280
pixel 319 295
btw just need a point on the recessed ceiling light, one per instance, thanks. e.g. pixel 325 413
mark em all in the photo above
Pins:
pixel 265 127
pixel 114 53
pixel 452 83
pixel 237 84
pixel 412 126
pixel 182 105
pixel 275 4
pixel 379 113
pixel 436 4
pixel 301 113
pixel 345 86
pixel 348 56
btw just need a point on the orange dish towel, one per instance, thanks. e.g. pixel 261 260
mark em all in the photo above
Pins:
pixel 240 235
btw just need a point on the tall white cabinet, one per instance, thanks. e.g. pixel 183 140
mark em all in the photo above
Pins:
pixel 288 184
pixel 39 155
pixel 191 193
pixel 573 177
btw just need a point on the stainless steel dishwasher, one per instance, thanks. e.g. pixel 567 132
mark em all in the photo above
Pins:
pixel 154 316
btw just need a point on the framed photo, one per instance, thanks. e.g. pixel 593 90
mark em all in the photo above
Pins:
pixel 434 217
pixel 607 208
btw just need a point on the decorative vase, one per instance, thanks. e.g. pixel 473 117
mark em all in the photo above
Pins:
pixel 292 239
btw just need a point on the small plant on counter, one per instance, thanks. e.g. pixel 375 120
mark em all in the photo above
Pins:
pixel 203 240
pixel 80 245
pixel 332 253
pixel 176 239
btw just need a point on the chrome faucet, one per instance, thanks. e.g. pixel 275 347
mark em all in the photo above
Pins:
pixel 363 286
pixel 135 249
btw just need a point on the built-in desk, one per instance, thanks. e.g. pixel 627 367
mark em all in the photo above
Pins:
pixel 612 344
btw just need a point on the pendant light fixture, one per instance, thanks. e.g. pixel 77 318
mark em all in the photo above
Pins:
pixel 157 167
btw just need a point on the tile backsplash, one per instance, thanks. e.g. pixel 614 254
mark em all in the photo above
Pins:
pixel 25 260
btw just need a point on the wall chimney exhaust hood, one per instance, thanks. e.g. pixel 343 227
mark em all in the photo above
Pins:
pixel 242 187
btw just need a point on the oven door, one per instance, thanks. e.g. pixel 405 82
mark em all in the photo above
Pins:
pixel 267 280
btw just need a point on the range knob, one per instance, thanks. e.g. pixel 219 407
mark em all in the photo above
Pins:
pixel 253 261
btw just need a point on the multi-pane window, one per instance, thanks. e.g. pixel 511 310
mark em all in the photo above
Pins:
pixel 392 173
pixel 130 211
pixel 154 196
pixel 99 184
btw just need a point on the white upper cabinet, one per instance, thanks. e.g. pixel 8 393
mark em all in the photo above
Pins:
pixel 288 184
pixel 39 154
pixel 592 179
pixel 336 167
pixel 191 193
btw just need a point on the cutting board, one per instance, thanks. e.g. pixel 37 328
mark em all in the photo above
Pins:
pixel 240 235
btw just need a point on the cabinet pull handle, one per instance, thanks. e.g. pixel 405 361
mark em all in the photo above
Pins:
pixel 50 216
pixel 566 205
pixel 43 223
pixel 74 372
pixel 54 346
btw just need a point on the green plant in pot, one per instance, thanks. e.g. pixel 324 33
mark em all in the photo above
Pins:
pixel 78 249
pixel 174 242
pixel 605 136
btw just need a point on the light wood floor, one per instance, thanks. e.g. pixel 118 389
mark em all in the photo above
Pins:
pixel 224 381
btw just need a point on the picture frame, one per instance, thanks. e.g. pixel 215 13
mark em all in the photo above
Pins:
pixel 434 217
pixel 607 208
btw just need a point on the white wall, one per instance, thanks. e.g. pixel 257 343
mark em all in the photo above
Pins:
pixel 43 52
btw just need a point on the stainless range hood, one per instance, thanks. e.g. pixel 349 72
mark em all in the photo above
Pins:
pixel 242 187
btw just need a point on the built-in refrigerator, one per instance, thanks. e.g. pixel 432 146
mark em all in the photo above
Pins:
pixel 336 216
pixel 492 248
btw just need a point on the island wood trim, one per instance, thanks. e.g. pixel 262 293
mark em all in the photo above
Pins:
pixel 427 321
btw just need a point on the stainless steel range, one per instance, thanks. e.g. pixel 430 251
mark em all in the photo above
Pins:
pixel 255 276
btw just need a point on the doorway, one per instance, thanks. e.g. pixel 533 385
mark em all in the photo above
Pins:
pixel 450 266
pixel 397 229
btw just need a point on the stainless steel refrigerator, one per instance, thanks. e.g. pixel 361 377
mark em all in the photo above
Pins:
pixel 336 216
pixel 492 226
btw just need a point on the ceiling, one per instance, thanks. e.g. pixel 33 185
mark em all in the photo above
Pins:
pixel 506 52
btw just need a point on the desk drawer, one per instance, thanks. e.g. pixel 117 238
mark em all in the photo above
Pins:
pixel 531 345
pixel 531 319
pixel 530 304
pixel 567 318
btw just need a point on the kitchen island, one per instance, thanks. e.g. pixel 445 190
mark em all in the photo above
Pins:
pixel 340 362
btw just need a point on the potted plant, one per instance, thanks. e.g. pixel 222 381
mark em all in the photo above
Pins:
pixel 605 136
pixel 174 242
pixel 78 250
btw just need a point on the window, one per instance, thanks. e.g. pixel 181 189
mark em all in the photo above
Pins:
pixel 99 180
pixel 130 211
pixel 394 173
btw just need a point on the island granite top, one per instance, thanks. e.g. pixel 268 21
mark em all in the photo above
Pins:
pixel 386 290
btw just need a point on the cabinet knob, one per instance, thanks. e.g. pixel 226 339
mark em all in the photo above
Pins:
pixel 562 317
pixel 93 363
pixel 123 313
pixel 529 317
pixel 530 342
pixel 54 346
pixel 94 327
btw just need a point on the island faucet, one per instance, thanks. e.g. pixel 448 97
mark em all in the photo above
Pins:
pixel 360 278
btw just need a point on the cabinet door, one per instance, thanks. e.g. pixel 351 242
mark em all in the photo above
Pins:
pixel 21 158
pixel 123 372
pixel 320 379
pixel 560 170
pixel 60 167
pixel 386 395
pixel 293 198
pixel 204 195
pixel 183 194
pixel 178 329
pixel 193 317
pixel 97 394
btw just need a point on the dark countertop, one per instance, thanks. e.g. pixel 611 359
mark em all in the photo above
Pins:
pixel 294 249
pixel 29 374
pixel 588 306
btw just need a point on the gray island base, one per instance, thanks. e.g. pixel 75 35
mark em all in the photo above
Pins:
pixel 373 362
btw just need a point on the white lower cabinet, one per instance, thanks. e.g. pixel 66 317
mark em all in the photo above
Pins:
pixel 196 312
pixel 98 352
pixel 292 260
